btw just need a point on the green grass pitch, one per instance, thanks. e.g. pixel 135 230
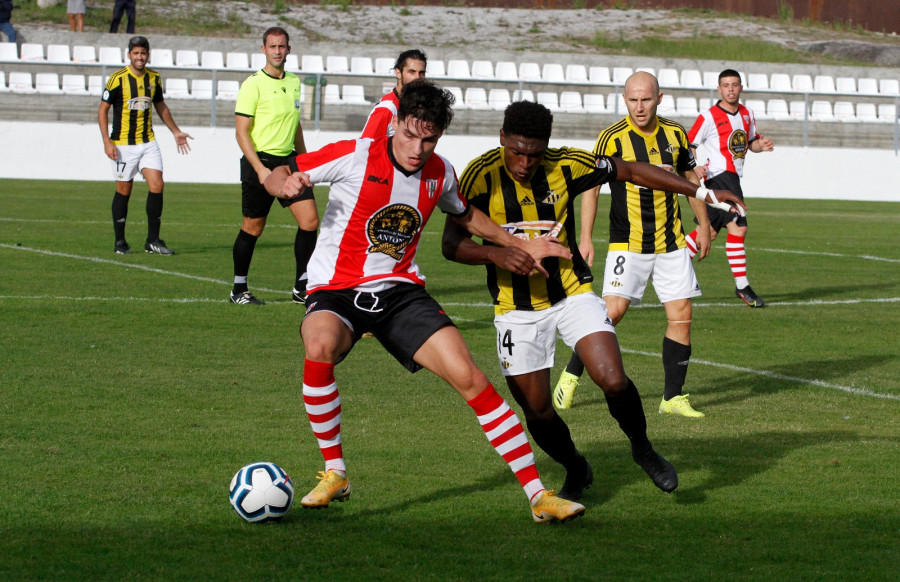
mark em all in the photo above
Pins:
pixel 131 391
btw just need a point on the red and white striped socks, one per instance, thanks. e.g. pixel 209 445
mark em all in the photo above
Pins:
pixel 323 406
pixel 737 260
pixel 507 436
pixel 691 241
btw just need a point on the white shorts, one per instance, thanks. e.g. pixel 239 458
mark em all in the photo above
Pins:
pixel 526 340
pixel 626 275
pixel 132 159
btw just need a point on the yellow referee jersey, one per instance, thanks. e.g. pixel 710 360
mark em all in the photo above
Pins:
pixel 543 207
pixel 642 220
pixel 132 100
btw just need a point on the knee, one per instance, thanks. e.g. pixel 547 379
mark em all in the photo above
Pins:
pixel 611 381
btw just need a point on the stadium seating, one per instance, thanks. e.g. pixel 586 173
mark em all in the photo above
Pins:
pixel 824 84
pixel 354 95
pixel 687 107
pixel 885 86
pixel 650 70
pixel 110 55
pixel 458 69
pixel 523 95
pixel 667 106
pixel 59 53
pixel 257 61
pixel 621 74
pixel 239 61
pixel 866 112
pixel 843 111
pixel 668 78
pixel 529 72
pixel 548 99
pixel 332 95
pixel 434 68
pixel 576 73
pixel 800 82
pixel 9 51
pixel 780 82
pixel 337 64
pixel 594 103
pixel 227 89
pixel 3 87
pixel 887 112
pixel 615 104
pixel 177 88
pixel 84 54
pixel 482 70
pixel 212 60
pixel 202 89
pixel 691 78
pixel 96 83
pixel 821 111
pixel 845 85
pixel 710 79
pixel 47 83
pixel 797 110
pixel 499 98
pixel 570 101
pixel 187 58
pixel 867 86
pixel 506 70
pixel 777 109
pixel 364 66
pixel 457 93
pixel 757 82
pixel 476 98
pixel 312 64
pixel 758 107
pixel 384 66
pixel 20 82
pixel 553 73
pixel 30 51
pixel 599 75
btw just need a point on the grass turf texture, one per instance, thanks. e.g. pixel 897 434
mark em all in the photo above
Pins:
pixel 130 396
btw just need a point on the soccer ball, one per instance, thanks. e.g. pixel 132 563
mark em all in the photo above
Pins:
pixel 261 492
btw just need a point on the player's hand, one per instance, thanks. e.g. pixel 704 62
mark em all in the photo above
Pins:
pixel 181 141
pixel 701 172
pixel 111 151
pixel 704 243
pixel 513 259
pixel 765 144
pixel 546 246
pixel 294 185
pixel 586 248
pixel 722 199
pixel 263 174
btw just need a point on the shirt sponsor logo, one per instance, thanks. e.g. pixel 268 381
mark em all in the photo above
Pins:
pixel 526 201
pixel 737 144
pixel 392 229
pixel 139 104
pixel 377 180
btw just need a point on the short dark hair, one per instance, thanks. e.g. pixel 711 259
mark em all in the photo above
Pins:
pixel 425 101
pixel 729 73
pixel 528 119
pixel 277 31
pixel 410 55
pixel 138 41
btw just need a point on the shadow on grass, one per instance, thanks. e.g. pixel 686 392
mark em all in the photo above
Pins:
pixel 830 292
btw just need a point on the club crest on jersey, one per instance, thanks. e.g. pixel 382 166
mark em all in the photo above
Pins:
pixel 392 229
pixel 551 197
pixel 431 187
pixel 737 143
pixel 139 104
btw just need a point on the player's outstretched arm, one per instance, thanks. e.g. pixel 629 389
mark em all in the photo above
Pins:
pixel 649 176
pixel 457 245
pixel 282 184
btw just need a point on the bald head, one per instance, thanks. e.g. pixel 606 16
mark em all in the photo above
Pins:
pixel 642 97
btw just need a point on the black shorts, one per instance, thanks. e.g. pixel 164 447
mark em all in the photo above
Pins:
pixel 719 219
pixel 255 201
pixel 402 318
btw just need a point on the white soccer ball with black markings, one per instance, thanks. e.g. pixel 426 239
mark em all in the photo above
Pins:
pixel 261 492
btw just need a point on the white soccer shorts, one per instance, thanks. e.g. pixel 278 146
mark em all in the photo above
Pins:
pixel 626 275
pixel 132 159
pixel 526 340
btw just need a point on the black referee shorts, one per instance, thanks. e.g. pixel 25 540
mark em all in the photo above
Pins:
pixel 402 318
pixel 255 201
pixel 719 219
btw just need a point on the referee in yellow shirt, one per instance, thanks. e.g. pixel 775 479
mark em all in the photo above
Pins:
pixel 268 131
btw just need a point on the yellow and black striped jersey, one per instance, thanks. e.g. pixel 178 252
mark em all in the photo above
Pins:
pixel 545 206
pixel 132 99
pixel 642 220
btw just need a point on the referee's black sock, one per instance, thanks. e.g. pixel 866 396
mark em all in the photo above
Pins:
pixel 119 214
pixel 628 411
pixel 154 214
pixel 575 365
pixel 554 438
pixel 675 357
pixel 304 245
pixel 242 253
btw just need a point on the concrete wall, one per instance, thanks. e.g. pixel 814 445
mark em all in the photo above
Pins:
pixel 69 151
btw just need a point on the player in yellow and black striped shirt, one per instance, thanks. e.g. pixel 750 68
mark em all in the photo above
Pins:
pixel 646 239
pixel 132 92
pixel 528 188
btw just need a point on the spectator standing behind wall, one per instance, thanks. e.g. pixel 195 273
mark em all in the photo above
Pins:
pixel 75 11
pixel 6 8
pixel 126 7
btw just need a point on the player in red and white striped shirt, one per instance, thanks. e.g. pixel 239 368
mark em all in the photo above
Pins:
pixel 363 277
pixel 727 131
pixel 410 66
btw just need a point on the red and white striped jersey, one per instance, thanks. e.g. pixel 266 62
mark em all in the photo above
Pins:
pixel 379 122
pixel 375 214
pixel 726 138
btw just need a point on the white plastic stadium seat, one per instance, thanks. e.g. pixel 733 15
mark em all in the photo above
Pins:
pixel 667 106
pixel 337 64
pixel 710 79
pixel 212 60
pixel 824 84
pixel 84 54
pixel 668 78
pixel 74 85
pixel 292 64
pixel 96 84
pixel 523 95
pixel 31 51
pixel 362 65
pixel 499 98
pixel 435 68
pixel 845 85
pixel 457 93
pixel 594 103
pixel 332 95
pixel 506 70
pixel 691 78
pixel 868 86
pixel 59 53
pixel 257 61
pixel 162 57
pixel 621 74
pixel 650 70
pixel 548 99
pixel 758 82
pixel 202 89
pixel 47 83
pixel 615 104
pixel 704 103
pixel 9 51
pixel 821 111
pixel 885 86
pixel 571 101
pixel 236 60
pixel 758 107
pixel 312 64
pixel 187 58
pixel 20 82
pixel 110 55
pixel 553 73
pixel 797 109
pixel 177 89
pixel 476 98
pixel 843 111
pixel 384 66
pixel 687 107
pixel 3 87
pixel 777 109
pixel 801 82
pixel 529 72
pixel 886 111
pixel 576 73
pixel 780 82
pixel 458 69
pixel 599 75
pixel 866 112
pixel 482 70
pixel 227 90
pixel 354 95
